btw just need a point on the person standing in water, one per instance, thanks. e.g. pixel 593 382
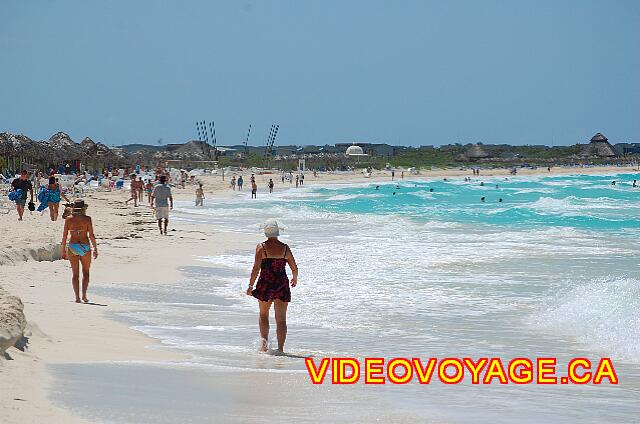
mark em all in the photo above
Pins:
pixel 270 185
pixel 233 183
pixel 271 259
pixel 79 229
pixel 199 195
pixel 254 189
pixel 240 182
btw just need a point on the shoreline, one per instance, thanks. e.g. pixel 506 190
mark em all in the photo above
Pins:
pixel 131 250
pixel 60 331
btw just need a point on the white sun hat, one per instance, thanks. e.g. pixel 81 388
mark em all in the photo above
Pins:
pixel 271 228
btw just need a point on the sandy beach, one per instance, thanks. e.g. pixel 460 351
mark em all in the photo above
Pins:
pixel 61 333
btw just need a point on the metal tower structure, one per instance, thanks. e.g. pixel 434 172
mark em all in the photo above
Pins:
pixel 246 142
pixel 273 133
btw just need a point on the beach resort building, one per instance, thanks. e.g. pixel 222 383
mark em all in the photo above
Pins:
pixel 598 147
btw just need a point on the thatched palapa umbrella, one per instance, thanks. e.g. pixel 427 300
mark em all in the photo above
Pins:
pixel 64 149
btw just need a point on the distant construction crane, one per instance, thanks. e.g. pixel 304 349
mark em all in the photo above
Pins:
pixel 206 133
pixel 246 142
pixel 200 129
pixel 212 130
pixel 273 133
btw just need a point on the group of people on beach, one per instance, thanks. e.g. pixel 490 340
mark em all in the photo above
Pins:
pixel 49 195
pixel 78 244
pixel 79 247
pixel 159 197
pixel 238 182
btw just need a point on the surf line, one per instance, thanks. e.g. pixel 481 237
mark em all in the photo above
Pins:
pixel 456 370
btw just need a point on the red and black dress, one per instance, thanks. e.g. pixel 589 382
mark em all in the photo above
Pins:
pixel 273 282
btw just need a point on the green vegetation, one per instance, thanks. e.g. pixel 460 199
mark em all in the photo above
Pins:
pixel 450 156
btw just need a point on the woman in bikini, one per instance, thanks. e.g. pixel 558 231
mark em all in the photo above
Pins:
pixel 79 229
pixel 272 256
pixel 134 191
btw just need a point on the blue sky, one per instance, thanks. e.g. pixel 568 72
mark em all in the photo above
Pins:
pixel 400 72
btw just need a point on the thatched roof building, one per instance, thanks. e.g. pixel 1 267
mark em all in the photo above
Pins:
pixel 192 150
pixel 599 147
pixel 88 145
pixel 60 149
pixel 475 152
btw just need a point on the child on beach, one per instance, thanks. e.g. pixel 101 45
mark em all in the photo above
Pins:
pixel 199 196
pixel 149 189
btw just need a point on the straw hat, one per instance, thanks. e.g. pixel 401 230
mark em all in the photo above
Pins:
pixel 79 207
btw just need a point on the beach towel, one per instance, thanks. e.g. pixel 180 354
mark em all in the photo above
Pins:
pixel 15 195
pixel 43 198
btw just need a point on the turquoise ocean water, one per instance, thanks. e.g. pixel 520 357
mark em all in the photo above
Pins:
pixel 552 270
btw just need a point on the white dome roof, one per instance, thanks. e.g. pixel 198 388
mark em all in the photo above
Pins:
pixel 354 150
